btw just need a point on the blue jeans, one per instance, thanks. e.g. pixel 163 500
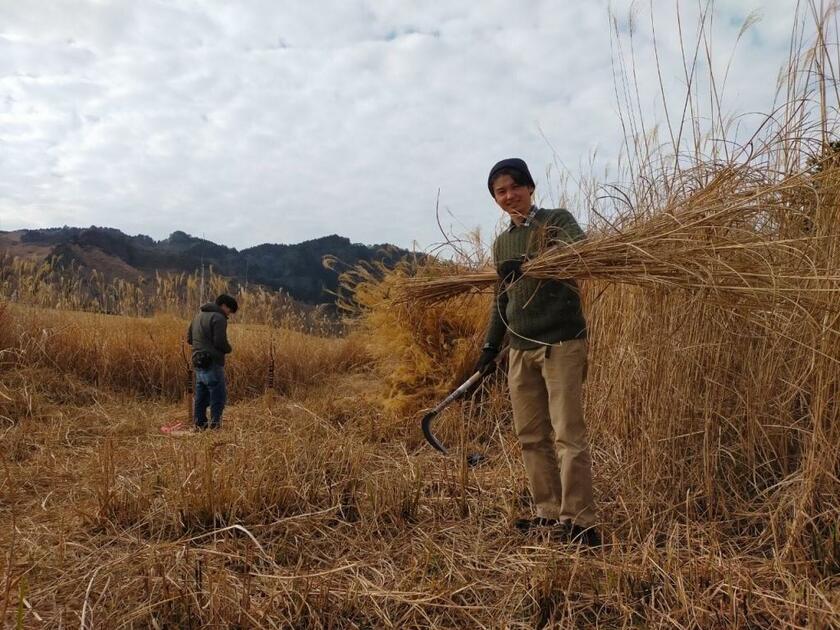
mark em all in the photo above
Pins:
pixel 210 390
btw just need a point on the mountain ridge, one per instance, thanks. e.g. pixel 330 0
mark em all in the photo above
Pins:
pixel 296 268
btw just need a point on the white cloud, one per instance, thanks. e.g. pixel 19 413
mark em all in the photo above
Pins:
pixel 262 121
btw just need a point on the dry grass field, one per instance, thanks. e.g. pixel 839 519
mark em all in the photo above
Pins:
pixel 318 505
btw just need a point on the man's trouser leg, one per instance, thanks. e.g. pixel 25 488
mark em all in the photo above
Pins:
pixel 218 396
pixel 546 393
pixel 532 422
pixel 202 399
pixel 564 371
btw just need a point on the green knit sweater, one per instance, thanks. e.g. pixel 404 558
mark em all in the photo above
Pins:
pixel 537 312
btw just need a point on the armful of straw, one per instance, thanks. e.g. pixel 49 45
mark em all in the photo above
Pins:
pixel 561 231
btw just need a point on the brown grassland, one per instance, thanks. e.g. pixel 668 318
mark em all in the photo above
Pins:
pixel 712 399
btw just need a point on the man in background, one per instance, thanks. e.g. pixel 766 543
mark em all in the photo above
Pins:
pixel 207 335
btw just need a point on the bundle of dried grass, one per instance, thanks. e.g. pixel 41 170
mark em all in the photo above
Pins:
pixel 740 238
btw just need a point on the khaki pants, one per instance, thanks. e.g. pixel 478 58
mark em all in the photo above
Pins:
pixel 546 391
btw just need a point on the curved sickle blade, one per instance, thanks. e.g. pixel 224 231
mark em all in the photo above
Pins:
pixel 426 423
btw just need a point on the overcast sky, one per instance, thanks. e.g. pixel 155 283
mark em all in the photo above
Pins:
pixel 267 121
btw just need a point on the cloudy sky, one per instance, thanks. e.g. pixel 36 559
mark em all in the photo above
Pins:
pixel 267 121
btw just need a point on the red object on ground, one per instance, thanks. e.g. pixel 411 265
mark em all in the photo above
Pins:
pixel 169 428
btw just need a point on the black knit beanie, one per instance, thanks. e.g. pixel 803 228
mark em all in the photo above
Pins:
pixel 514 164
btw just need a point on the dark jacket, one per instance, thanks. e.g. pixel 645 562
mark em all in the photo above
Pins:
pixel 535 312
pixel 208 333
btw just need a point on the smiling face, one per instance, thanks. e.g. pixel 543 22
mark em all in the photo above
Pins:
pixel 512 197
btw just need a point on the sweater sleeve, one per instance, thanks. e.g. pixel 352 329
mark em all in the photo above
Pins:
pixel 220 340
pixel 498 326
pixel 565 229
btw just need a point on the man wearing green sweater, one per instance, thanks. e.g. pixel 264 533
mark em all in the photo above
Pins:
pixel 547 362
